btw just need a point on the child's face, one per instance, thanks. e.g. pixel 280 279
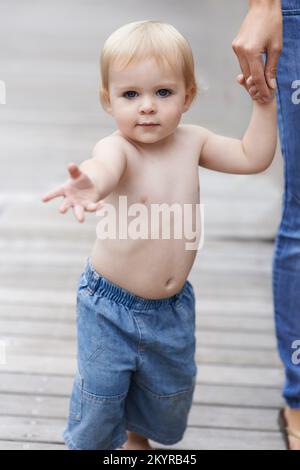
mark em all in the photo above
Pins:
pixel 145 93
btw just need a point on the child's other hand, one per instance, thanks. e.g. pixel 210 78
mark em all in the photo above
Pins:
pixel 251 88
pixel 79 192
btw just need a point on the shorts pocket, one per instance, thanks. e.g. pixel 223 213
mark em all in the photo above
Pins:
pixel 89 328
pixel 82 286
pixel 76 398
pixel 187 298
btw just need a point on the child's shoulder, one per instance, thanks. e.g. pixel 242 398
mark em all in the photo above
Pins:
pixel 109 142
pixel 110 139
pixel 193 129
pixel 117 141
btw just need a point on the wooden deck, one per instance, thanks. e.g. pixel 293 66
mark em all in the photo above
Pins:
pixel 239 375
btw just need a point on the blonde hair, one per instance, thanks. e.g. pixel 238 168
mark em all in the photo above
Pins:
pixel 139 40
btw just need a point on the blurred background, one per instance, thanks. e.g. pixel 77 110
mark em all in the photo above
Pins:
pixel 49 62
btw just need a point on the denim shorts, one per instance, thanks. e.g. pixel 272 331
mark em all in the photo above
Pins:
pixel 136 365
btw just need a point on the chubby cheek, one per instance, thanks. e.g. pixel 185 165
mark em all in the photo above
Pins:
pixel 125 118
pixel 171 115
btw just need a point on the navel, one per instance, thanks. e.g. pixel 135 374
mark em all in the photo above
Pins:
pixel 169 282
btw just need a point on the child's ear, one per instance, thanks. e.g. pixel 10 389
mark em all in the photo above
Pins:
pixel 188 99
pixel 107 107
pixel 105 102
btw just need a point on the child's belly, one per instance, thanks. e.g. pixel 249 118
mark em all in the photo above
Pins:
pixel 151 268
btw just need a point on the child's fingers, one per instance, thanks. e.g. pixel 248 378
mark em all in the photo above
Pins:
pixel 257 97
pixel 241 81
pixel 55 193
pixel 78 212
pixel 249 87
pixel 249 81
pixel 74 170
pixel 65 206
pixel 91 206
pixel 253 90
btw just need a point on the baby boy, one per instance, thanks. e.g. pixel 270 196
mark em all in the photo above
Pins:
pixel 136 369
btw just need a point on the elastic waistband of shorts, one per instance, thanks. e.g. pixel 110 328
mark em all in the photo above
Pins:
pixel 290 6
pixel 105 288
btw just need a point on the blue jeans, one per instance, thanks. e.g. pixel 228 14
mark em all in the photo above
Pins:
pixel 286 259
pixel 136 365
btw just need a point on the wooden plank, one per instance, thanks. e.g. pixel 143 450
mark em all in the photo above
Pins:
pixel 60 297
pixel 39 364
pixel 64 327
pixel 55 253
pixel 52 278
pixel 204 356
pixel 236 375
pixel 209 373
pixel 17 445
pixel 233 357
pixel 256 308
pixel 65 345
pixel 215 416
pixel 52 323
pixel 43 432
pixel 49 430
pixel 227 439
pixel 237 396
pixel 49 406
pixel 38 385
pixel 235 313
pixel 34 405
pixel 222 417
pixel 31 429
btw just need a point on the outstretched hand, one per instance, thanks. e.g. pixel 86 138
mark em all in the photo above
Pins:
pixel 79 192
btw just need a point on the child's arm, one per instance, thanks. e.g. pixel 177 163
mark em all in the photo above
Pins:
pixel 95 179
pixel 106 166
pixel 253 153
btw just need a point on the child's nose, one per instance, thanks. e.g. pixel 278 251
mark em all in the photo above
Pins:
pixel 147 105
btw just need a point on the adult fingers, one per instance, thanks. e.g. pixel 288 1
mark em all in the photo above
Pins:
pixel 239 52
pixel 273 54
pixel 258 76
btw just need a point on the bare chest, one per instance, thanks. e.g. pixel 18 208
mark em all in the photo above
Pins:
pixel 169 176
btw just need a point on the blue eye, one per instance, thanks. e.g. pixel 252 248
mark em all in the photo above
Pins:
pixel 164 89
pixel 131 94
pixel 124 94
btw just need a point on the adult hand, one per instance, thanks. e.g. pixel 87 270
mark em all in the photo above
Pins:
pixel 261 31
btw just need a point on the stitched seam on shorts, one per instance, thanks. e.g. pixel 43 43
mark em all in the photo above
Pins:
pixel 98 398
pixel 293 196
pixel 153 436
pixel 296 11
pixel 171 395
pixel 139 330
pixel 68 440
pixel 117 442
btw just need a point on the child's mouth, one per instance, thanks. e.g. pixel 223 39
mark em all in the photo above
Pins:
pixel 148 125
